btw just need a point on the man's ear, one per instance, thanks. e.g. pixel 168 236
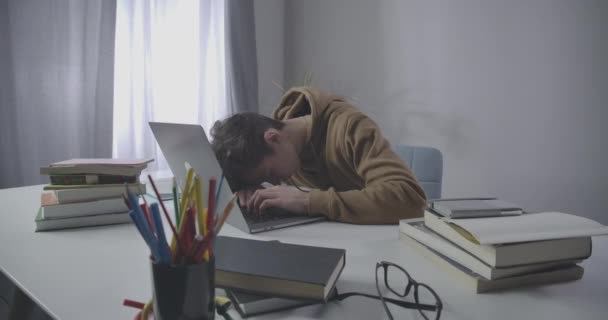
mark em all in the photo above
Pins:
pixel 271 136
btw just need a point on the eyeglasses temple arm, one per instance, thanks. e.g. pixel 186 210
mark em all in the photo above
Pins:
pixel 404 304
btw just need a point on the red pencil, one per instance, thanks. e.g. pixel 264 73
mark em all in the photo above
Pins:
pixel 197 242
pixel 211 210
pixel 199 254
pixel 210 231
pixel 133 304
pixel 191 227
pixel 211 201
pixel 162 204
pixel 186 237
pixel 144 209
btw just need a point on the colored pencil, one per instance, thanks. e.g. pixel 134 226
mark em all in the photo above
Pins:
pixel 179 247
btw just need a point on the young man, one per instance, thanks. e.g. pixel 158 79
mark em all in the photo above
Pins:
pixel 318 141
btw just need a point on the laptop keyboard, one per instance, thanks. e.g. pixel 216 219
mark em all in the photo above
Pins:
pixel 268 215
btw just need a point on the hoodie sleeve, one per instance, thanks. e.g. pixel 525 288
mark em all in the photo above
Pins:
pixel 391 191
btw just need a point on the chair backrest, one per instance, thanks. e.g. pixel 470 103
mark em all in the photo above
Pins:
pixel 426 164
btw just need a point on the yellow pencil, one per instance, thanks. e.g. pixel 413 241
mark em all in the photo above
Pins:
pixel 183 202
pixel 200 206
pixel 147 310
pixel 227 210
pixel 185 197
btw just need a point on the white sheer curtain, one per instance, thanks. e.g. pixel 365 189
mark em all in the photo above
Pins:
pixel 170 67
pixel 56 64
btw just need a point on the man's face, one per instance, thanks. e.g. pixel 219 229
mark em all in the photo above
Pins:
pixel 277 166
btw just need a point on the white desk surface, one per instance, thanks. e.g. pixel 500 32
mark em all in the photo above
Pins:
pixel 86 273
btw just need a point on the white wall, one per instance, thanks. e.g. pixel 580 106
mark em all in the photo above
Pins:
pixel 513 92
pixel 270 34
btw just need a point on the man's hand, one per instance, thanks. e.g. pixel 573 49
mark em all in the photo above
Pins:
pixel 285 197
pixel 244 196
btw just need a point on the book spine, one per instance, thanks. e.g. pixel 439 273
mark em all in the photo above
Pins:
pixel 91 179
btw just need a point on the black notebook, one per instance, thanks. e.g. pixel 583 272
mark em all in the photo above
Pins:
pixel 277 269
pixel 248 305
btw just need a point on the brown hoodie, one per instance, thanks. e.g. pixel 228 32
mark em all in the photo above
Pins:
pixel 356 175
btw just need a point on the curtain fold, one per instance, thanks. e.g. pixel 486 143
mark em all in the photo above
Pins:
pixel 241 57
pixel 10 169
pixel 56 81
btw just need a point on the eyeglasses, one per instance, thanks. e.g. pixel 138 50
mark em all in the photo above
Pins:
pixel 399 282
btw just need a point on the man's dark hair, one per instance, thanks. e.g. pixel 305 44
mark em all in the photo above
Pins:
pixel 239 144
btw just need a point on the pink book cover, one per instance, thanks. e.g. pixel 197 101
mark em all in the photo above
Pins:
pixel 48 199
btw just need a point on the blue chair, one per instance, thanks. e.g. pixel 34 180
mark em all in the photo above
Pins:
pixel 426 164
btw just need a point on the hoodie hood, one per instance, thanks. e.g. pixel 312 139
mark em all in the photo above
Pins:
pixel 303 101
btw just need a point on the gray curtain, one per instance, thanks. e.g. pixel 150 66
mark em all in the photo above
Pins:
pixel 56 84
pixel 241 57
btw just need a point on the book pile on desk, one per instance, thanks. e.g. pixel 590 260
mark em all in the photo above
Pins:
pixel 502 248
pixel 88 192
pixel 269 276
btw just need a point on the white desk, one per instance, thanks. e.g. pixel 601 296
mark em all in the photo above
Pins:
pixel 86 273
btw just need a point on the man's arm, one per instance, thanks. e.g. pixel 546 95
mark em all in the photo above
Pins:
pixel 391 191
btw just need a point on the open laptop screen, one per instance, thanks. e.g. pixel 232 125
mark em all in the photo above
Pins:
pixel 187 143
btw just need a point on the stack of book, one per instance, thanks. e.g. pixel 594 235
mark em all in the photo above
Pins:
pixel 88 192
pixel 500 251
pixel 269 276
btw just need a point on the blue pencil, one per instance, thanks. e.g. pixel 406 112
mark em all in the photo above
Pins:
pixel 163 247
pixel 143 225
pixel 140 223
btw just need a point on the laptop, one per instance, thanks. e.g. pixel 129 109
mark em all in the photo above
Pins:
pixel 186 144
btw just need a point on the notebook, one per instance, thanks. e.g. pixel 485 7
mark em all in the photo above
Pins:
pixel 480 285
pixel 51 208
pixel 277 269
pixel 415 229
pixel 512 254
pixel 126 167
pixel 248 305
pixel 471 208
pixel 102 161
pixel 46 224
pixel 529 227
pixel 101 192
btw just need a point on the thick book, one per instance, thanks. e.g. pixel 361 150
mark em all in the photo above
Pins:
pixel 124 167
pixel 248 305
pixel 479 284
pixel 51 208
pixel 528 227
pixel 97 193
pixel 512 254
pixel 415 228
pixel 87 186
pixel 277 269
pixel 96 179
pixel 473 208
pixel 45 224
pixel 102 161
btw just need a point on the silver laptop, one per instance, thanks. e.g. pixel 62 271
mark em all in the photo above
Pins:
pixel 184 144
